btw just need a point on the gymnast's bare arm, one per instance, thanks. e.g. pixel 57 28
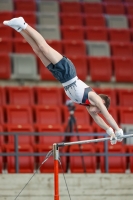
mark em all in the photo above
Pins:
pixel 100 105
pixel 98 119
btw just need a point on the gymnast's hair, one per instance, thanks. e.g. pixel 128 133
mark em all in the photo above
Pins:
pixel 106 98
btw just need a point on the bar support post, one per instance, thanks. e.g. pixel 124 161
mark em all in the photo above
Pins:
pixel 56 171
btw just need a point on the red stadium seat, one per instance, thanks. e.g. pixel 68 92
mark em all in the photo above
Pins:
pixel 117 164
pixel 5 66
pixel 72 32
pixel 130 150
pixel 76 164
pixel 124 49
pixel 45 140
pixel 114 8
pixel 123 69
pixel 130 21
pixel 5 15
pixel 71 19
pixel 75 48
pixel 96 33
pixel 45 74
pixel 2 96
pixel 129 8
pixel 22 6
pixel 2 117
pixel 80 63
pixel 48 95
pixel 6 45
pixel 56 128
pixel 92 8
pixel 85 129
pixel 18 114
pixel 1 136
pixel 128 1
pixel 26 163
pixel 6 32
pixel 30 17
pixel 70 7
pixel 20 96
pixel 21 46
pixel 81 115
pixel 113 1
pixel 48 167
pixel 22 139
pixel 126 115
pixel 94 20
pixel 56 44
pixel 48 115
pixel 125 97
pixel 131 32
pixel 119 35
pixel 108 91
pixel 100 68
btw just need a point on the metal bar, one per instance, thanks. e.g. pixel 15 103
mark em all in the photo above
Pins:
pixel 90 141
pixel 82 142
pixel 16 156
pixel 56 173
pixel 68 154
pixel 106 156
pixel 53 134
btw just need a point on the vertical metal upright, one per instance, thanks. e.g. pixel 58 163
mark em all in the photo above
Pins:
pixel 56 171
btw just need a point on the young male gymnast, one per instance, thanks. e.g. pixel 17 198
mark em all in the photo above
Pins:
pixel 64 71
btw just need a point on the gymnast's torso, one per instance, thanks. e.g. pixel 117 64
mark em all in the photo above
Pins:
pixel 78 91
pixel 65 72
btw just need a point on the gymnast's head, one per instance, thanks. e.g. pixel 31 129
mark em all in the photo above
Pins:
pixel 106 100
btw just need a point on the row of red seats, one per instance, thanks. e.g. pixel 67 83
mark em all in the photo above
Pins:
pixel 46 115
pixel 66 19
pixel 54 115
pixel 96 34
pixel 69 48
pixel 119 68
pixel 89 20
pixel 78 7
pixel 26 164
pixel 24 95
pixel 97 8
pixel 78 33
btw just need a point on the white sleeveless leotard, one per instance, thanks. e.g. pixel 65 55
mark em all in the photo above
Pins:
pixel 75 90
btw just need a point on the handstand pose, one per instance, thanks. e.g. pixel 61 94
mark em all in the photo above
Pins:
pixel 63 70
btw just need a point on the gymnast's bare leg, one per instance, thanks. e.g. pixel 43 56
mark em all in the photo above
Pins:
pixel 37 42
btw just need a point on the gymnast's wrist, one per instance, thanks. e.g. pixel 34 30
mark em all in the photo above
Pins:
pixel 110 131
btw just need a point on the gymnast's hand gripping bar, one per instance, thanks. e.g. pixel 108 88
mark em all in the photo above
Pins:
pixel 90 141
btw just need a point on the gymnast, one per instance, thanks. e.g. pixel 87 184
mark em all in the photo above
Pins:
pixel 64 71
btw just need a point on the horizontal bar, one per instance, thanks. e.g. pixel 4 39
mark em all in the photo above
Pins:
pixel 90 141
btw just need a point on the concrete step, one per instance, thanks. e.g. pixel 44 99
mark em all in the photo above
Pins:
pixel 81 186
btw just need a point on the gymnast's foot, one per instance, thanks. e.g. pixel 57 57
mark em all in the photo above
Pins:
pixel 16 23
